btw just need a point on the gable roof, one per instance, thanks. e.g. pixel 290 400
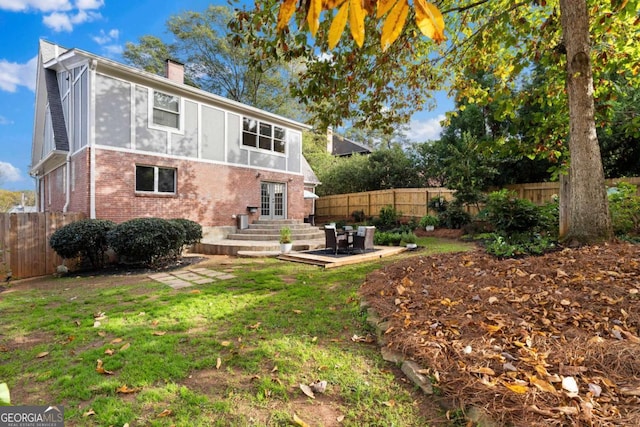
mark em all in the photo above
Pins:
pixel 309 175
pixel 342 147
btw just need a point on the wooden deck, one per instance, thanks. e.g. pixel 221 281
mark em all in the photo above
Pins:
pixel 328 260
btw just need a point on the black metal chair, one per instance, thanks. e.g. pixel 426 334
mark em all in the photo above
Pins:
pixel 333 241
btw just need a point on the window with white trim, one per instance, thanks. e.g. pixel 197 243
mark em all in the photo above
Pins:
pixel 166 110
pixel 263 135
pixel 155 179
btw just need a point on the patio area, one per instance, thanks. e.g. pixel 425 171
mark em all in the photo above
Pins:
pixel 327 259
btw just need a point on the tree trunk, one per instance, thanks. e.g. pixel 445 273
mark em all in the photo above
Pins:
pixel 588 208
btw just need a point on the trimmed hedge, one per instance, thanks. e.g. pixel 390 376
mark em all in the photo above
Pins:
pixel 86 238
pixel 147 241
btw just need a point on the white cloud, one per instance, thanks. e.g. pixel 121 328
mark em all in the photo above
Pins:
pixel 62 15
pixel 424 130
pixel 113 50
pixel 38 5
pixel 9 173
pixel 5 121
pixel 13 74
pixel 59 21
pixel 106 38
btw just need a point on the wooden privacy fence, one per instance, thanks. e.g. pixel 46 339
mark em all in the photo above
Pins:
pixel 24 243
pixel 412 202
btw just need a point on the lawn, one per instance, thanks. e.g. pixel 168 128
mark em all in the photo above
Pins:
pixel 124 349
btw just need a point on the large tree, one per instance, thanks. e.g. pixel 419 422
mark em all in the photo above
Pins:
pixel 201 40
pixel 382 85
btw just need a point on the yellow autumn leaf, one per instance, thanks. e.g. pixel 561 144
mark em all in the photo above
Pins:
pixel 338 24
pixel 313 16
pixel 429 20
pixel 517 388
pixel 126 390
pixel 384 6
pixel 297 421
pixel 542 384
pixel 356 21
pixel 285 13
pixel 482 370
pixel 331 4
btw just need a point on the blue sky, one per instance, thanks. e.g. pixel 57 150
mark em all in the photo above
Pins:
pixel 101 27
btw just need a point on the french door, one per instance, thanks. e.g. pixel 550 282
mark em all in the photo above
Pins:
pixel 273 200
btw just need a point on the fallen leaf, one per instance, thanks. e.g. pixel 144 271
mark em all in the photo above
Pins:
pixel 126 390
pixel 165 413
pixel 542 384
pixel 569 384
pixel 159 333
pixel 630 391
pixel 109 352
pixel 299 422
pixel 77 322
pixel 89 413
pixel 274 369
pixel 340 418
pixel 493 300
pixel 400 289
pixel 255 326
pixel 96 324
pixel 482 370
pixel 517 388
pixel 155 322
pixel 116 340
pixel 595 389
pixel 225 343
pixel 390 403
pixel 218 363
pixel 100 369
pixel 297 311
pixel 41 355
pixel 560 273
pixel 124 347
pixel 102 334
pixel 195 291
pixel 307 390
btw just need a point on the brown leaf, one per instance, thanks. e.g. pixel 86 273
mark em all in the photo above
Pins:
pixel 89 413
pixel 42 354
pixel 100 369
pixel 630 390
pixel 116 341
pixel 109 352
pixel 126 346
pixel 254 326
pixel 159 333
pixel 126 390
pixel 165 413
pixel 482 370
pixel 542 384
pixel 225 343
pixel 297 311
pixel 218 363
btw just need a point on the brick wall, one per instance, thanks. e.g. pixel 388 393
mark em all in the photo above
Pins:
pixel 206 193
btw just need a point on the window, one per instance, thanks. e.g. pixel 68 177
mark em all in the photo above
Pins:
pixel 263 135
pixel 154 179
pixel 166 110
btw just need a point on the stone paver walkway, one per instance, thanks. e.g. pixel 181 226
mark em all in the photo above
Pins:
pixel 194 276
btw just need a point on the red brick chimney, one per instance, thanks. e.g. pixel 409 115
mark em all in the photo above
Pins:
pixel 174 71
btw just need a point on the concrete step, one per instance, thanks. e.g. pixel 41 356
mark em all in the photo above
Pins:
pixel 233 247
pixel 263 226
pixel 274 237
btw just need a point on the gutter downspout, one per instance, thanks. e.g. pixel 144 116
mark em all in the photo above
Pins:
pixel 67 189
pixel 93 64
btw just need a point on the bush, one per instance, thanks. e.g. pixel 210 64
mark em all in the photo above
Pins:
pixel 509 215
pixel 86 238
pixel 454 217
pixel 358 216
pixel 388 219
pixel 147 241
pixel 518 245
pixel 429 220
pixel 386 238
pixel 408 237
pixel 624 206
pixel 192 230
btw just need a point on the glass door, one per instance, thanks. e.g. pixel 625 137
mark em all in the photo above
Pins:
pixel 273 200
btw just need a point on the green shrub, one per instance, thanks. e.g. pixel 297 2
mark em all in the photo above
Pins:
pixel 518 245
pixel 387 238
pixel 358 216
pixel 408 237
pixel 438 205
pixel 147 241
pixel 509 214
pixel 624 206
pixel 429 220
pixel 192 230
pixel 86 238
pixel 388 219
pixel 454 217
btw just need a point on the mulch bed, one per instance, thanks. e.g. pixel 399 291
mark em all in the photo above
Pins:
pixel 549 340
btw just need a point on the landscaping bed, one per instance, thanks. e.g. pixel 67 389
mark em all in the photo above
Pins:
pixel 549 340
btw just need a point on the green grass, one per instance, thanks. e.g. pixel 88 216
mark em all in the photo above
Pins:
pixel 274 326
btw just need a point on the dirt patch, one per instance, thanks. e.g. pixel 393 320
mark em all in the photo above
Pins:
pixel 550 340
pixel 441 233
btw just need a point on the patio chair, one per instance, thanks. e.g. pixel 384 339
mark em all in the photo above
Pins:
pixel 333 241
pixel 363 239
